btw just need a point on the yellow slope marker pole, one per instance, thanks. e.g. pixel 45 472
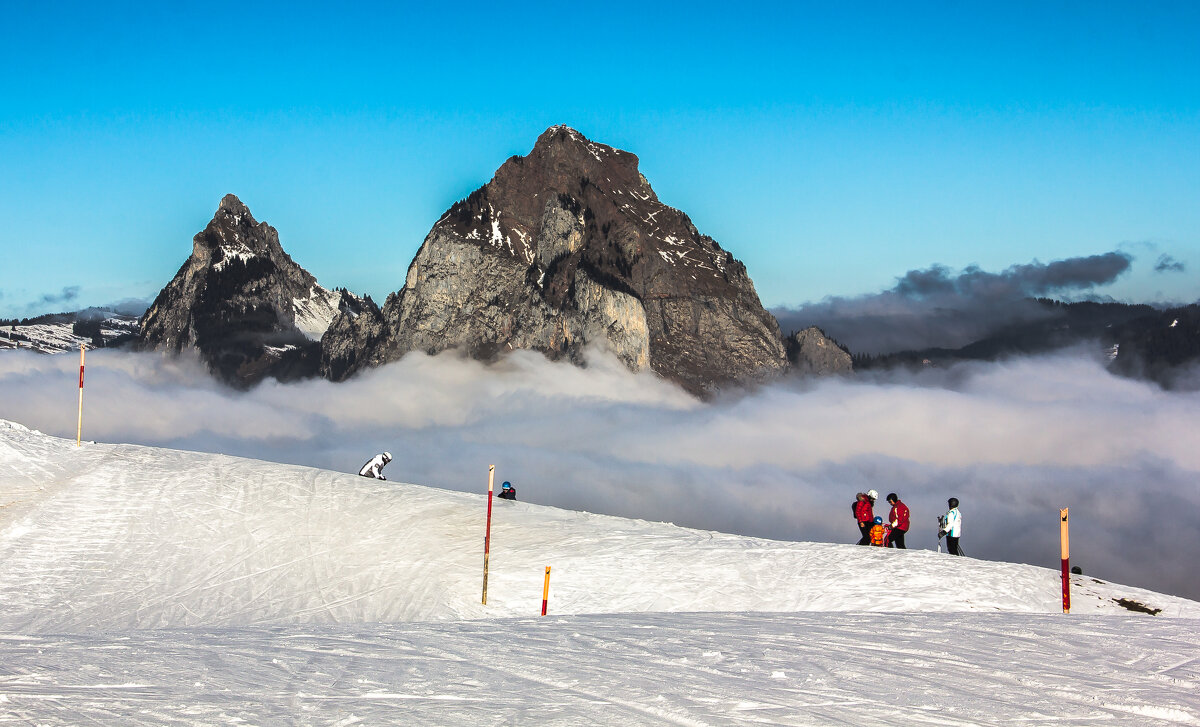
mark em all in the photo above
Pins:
pixel 546 591
pixel 79 429
pixel 1066 562
pixel 487 535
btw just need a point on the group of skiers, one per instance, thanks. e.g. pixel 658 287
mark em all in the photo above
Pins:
pixel 875 531
pixel 374 468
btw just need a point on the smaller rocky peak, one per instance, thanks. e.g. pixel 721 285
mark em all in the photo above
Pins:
pixel 812 353
pixel 232 220
pixel 233 207
pixel 234 234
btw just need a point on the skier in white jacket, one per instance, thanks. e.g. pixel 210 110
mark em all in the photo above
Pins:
pixel 374 468
pixel 952 526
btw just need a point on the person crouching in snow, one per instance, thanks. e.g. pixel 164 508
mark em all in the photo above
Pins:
pixel 899 521
pixel 374 468
pixel 879 533
pixel 865 515
pixel 507 492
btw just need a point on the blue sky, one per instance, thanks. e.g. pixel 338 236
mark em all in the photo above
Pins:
pixel 830 146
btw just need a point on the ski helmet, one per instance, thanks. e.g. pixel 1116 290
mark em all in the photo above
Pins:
pixel 873 494
pixel 506 486
pixel 878 520
pixel 387 456
pixel 892 497
pixel 952 502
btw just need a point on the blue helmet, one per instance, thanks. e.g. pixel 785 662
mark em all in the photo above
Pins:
pixel 878 520
pixel 506 486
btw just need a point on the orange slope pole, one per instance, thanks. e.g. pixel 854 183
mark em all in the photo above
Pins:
pixel 1066 562
pixel 546 591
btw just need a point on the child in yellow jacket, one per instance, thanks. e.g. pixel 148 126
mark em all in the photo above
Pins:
pixel 878 533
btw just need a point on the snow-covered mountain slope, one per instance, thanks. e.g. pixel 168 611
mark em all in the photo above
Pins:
pixel 60 336
pixel 288 595
pixel 139 537
pixel 314 312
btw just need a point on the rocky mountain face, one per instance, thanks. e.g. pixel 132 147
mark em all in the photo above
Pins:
pixel 812 353
pixel 564 248
pixel 242 303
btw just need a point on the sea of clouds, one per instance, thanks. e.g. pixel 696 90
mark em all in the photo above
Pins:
pixel 1014 441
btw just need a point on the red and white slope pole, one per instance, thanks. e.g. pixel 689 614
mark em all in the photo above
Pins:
pixel 546 591
pixel 1066 562
pixel 487 536
pixel 79 429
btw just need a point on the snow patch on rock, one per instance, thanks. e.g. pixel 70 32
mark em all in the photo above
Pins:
pixel 314 313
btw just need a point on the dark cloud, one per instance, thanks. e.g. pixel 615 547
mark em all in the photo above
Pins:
pixel 937 307
pixel 1168 264
pixel 1014 441
pixel 68 294
pixel 1018 281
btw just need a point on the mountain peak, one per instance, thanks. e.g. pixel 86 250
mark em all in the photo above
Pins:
pixel 562 144
pixel 560 133
pixel 232 206
pixel 567 246
pixel 242 302
pixel 235 232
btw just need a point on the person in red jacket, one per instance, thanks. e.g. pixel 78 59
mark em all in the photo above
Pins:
pixel 865 515
pixel 899 521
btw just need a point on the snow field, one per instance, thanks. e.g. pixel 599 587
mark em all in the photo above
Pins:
pixel 620 669
pixel 152 586
pixel 135 537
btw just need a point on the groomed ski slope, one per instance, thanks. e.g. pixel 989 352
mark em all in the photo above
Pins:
pixel 151 586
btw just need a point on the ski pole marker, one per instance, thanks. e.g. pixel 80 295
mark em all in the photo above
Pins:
pixel 546 591
pixel 1066 561
pixel 79 428
pixel 487 534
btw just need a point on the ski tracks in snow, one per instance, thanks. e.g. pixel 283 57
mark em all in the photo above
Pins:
pixel 203 589
pixel 651 669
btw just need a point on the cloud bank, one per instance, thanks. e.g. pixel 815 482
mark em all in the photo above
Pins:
pixel 1168 264
pixel 937 307
pixel 68 294
pixel 1013 441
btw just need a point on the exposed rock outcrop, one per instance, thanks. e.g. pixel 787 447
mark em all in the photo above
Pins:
pixel 812 353
pixel 242 303
pixel 564 248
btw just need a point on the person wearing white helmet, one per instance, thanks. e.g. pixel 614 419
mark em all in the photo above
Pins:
pixel 864 514
pixel 374 467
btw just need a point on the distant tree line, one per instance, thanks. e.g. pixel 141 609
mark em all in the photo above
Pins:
pixel 42 320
